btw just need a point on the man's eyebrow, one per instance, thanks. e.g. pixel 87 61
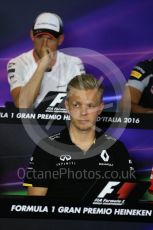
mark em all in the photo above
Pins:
pixel 76 101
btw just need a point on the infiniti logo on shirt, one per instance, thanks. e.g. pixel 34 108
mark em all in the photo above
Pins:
pixel 65 157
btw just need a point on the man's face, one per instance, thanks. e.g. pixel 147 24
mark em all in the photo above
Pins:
pixel 84 106
pixel 44 42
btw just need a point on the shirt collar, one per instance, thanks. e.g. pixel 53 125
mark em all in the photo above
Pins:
pixel 66 139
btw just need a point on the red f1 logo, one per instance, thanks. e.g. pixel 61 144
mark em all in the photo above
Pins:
pixel 125 190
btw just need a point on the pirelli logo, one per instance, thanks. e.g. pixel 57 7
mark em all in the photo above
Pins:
pixel 136 74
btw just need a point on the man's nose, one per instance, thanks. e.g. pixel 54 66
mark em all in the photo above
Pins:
pixel 45 42
pixel 84 110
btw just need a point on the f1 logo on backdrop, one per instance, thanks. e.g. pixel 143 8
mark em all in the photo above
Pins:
pixel 58 99
pixel 108 189
pixel 114 193
pixel 122 192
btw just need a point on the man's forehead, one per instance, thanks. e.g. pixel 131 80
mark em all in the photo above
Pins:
pixel 78 92
pixel 87 94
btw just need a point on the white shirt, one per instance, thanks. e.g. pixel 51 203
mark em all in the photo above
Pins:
pixel 22 68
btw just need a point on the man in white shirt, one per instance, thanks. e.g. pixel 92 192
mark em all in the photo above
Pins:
pixel 33 74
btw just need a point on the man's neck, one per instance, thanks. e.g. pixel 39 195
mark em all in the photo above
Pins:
pixel 83 139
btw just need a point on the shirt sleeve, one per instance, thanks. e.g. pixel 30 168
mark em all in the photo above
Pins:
pixel 39 171
pixel 77 67
pixel 15 71
pixel 139 76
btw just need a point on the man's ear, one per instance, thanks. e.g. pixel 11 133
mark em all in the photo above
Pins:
pixel 31 35
pixel 66 105
pixel 60 39
pixel 101 107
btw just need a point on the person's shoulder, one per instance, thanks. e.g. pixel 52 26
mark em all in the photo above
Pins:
pixel 45 146
pixel 69 58
pixel 55 137
pixel 72 63
pixel 21 57
pixel 144 65
pixel 110 138
pixel 113 142
pixel 106 139
pixel 50 139
pixel 60 136
pixel 142 70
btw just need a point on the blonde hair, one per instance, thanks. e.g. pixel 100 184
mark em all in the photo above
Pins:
pixel 85 81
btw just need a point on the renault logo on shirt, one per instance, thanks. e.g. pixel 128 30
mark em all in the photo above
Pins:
pixel 65 157
pixel 104 155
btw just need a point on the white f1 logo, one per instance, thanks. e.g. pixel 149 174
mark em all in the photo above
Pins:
pixel 108 189
pixel 58 99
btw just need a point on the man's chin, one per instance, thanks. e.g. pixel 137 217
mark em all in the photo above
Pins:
pixel 84 128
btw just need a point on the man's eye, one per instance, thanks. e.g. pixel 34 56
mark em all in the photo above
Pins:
pixel 39 36
pixel 91 106
pixel 50 38
pixel 76 105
